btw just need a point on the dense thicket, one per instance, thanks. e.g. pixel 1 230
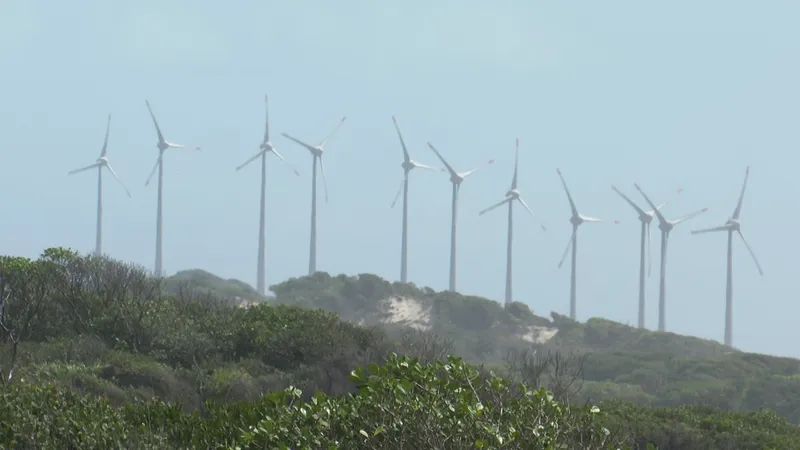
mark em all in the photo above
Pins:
pixel 95 354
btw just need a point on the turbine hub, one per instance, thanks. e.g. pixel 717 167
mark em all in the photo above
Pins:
pixel 162 146
pixel 513 193
pixel 456 179
pixel 102 160
pixel 407 165
pixel 266 146
pixel 576 220
pixel 733 224
pixel 666 227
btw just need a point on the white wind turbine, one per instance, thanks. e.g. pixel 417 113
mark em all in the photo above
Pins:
pixel 731 226
pixel 576 219
pixel 666 226
pixel 101 162
pixel 511 195
pixel 266 147
pixel 456 178
pixel 646 218
pixel 162 146
pixel 408 165
pixel 316 154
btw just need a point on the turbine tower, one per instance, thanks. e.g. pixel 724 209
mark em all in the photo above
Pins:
pixel 408 165
pixel 646 218
pixel 666 226
pixel 266 147
pixel 162 146
pixel 316 154
pixel 456 178
pixel 576 220
pixel 101 162
pixel 731 226
pixel 511 195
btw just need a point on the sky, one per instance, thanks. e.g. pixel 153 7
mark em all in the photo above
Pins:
pixel 665 94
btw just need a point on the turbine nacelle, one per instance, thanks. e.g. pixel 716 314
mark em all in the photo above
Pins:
pixel 456 178
pixel 733 224
pixel 103 161
pixel 266 146
pixel 514 193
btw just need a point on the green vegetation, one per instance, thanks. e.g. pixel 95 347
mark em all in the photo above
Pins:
pixel 95 354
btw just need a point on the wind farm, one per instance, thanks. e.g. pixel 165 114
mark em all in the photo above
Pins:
pixel 645 214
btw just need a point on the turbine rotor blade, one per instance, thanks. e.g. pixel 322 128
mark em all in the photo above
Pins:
pixel 105 141
pixel 158 130
pixel 324 183
pixel 738 209
pixel 630 202
pixel 688 216
pixel 470 172
pixel 569 244
pixel 655 210
pixel 761 272
pixel 422 166
pixel 569 197
pixel 677 192
pixel 90 166
pixel 266 128
pixel 525 205
pixel 310 148
pixel 402 142
pixel 114 174
pixel 251 159
pixel 447 166
pixel 399 190
pixel 710 230
pixel 330 135
pixel 278 155
pixel 516 165
pixel 152 172
pixel 496 205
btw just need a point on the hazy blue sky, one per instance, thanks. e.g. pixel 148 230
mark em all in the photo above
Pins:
pixel 674 94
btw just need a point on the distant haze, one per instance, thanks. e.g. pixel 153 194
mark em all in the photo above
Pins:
pixel 664 94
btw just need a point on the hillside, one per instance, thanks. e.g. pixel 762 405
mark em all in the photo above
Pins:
pixel 92 348
pixel 622 362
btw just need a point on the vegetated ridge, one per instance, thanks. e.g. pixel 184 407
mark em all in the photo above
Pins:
pixel 91 348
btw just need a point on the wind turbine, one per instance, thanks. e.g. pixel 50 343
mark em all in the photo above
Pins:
pixel 576 220
pixel 731 226
pixel 666 226
pixel 162 146
pixel 511 195
pixel 456 178
pixel 101 162
pixel 645 217
pixel 316 154
pixel 266 147
pixel 408 165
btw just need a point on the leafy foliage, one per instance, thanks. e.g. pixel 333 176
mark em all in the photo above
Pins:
pixel 96 353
